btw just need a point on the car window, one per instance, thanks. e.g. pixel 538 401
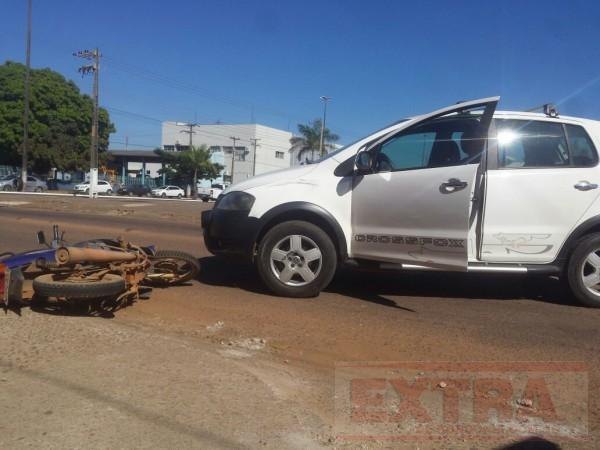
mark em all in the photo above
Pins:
pixel 30 179
pixel 583 152
pixel 531 143
pixel 441 142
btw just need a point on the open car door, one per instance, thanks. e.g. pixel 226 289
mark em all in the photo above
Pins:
pixel 413 188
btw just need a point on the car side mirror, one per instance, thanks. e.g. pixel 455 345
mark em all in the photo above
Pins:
pixel 364 162
pixel 41 238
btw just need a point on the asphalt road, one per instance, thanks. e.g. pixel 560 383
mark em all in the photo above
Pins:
pixel 426 317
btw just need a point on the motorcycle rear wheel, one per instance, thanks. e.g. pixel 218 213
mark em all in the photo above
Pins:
pixel 55 285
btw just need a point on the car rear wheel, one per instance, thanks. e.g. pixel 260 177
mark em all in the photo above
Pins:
pixel 296 259
pixel 584 271
pixel 39 189
pixel 109 192
pixel 179 196
pixel 7 188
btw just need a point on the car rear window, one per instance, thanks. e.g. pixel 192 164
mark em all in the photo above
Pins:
pixel 583 152
pixel 533 143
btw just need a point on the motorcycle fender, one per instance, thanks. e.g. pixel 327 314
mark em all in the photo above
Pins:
pixel 14 287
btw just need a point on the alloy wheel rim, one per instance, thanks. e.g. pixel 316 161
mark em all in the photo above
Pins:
pixel 296 260
pixel 590 272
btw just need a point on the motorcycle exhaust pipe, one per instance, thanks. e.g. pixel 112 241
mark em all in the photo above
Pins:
pixel 75 255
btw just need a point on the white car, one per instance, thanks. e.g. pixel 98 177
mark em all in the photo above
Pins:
pixel 103 187
pixel 168 191
pixel 33 184
pixel 464 188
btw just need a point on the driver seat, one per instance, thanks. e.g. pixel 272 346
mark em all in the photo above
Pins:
pixel 444 153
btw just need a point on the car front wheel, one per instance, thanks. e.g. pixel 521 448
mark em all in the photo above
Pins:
pixel 584 271
pixel 296 259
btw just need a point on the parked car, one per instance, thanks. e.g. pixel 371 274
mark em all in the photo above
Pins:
pixel 34 184
pixel 103 187
pixel 464 188
pixel 134 189
pixel 168 191
pixel 210 193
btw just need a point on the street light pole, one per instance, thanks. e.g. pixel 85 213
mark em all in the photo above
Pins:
pixel 324 99
pixel 26 101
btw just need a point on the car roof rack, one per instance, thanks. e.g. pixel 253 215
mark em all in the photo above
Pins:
pixel 548 109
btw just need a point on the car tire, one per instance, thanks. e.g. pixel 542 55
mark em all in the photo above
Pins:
pixel 283 259
pixel 583 269
pixel 7 188
pixel 109 192
pixel 39 189
pixel 163 195
pixel 179 196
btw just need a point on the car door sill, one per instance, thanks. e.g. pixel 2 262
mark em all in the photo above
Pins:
pixel 538 269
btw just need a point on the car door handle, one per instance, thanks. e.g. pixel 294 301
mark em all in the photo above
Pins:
pixel 585 186
pixel 452 185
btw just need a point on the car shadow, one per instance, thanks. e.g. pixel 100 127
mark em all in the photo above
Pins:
pixel 532 443
pixel 377 287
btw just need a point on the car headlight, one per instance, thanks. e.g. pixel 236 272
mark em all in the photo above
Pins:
pixel 235 201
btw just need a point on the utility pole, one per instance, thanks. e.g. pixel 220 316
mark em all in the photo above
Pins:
pixel 191 131
pixel 26 101
pixel 234 139
pixel 254 144
pixel 94 67
pixel 324 99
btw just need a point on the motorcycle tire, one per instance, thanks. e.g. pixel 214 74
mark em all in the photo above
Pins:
pixel 188 266
pixel 47 286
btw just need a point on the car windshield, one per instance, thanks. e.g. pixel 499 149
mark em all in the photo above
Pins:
pixel 6 177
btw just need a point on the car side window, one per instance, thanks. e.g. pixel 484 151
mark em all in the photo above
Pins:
pixel 583 152
pixel 30 179
pixel 531 143
pixel 442 142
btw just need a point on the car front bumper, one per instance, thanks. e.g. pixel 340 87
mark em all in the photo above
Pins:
pixel 230 233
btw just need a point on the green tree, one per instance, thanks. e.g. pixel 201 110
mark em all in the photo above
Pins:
pixel 189 166
pixel 307 144
pixel 60 121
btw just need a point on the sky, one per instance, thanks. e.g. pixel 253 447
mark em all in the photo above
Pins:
pixel 269 61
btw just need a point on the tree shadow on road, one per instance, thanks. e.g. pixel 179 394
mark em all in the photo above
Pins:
pixel 376 287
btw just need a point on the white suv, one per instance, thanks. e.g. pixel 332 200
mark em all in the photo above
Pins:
pixel 464 188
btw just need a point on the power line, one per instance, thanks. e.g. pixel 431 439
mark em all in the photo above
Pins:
pixel 201 131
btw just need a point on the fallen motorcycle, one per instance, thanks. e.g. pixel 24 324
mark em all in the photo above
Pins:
pixel 111 270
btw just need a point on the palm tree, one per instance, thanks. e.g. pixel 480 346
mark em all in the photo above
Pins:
pixel 197 161
pixel 310 137
pixel 190 165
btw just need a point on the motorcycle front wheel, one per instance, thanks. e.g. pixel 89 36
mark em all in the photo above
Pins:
pixel 170 267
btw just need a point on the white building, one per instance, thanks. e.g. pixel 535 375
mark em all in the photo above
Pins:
pixel 272 150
